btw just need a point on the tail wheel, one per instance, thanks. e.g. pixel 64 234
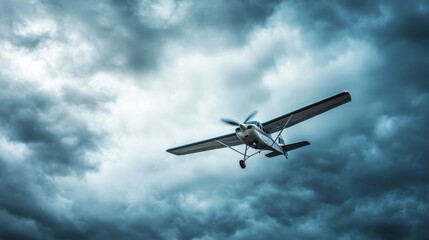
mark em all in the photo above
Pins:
pixel 242 164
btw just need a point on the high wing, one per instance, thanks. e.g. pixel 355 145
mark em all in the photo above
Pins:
pixel 205 145
pixel 307 112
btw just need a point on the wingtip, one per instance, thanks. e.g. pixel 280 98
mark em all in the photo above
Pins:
pixel 169 150
pixel 349 96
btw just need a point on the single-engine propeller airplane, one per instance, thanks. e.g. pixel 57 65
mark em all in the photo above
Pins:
pixel 258 136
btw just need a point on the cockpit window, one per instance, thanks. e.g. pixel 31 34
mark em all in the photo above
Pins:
pixel 257 124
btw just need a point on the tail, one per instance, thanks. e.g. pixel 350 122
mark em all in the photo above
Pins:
pixel 288 148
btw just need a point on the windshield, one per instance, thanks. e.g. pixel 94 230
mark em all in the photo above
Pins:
pixel 256 123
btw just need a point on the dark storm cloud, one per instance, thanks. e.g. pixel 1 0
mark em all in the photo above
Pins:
pixel 27 209
pixel 56 143
pixel 366 183
pixel 57 140
pixel 232 18
pixel 85 98
pixel 126 40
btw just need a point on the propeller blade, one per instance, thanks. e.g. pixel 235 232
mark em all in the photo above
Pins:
pixel 251 116
pixel 229 121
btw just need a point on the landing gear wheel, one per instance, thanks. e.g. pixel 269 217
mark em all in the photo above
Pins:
pixel 242 164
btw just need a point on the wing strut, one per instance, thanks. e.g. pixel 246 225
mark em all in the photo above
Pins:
pixel 275 140
pixel 230 147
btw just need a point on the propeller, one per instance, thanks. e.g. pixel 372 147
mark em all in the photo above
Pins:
pixel 235 123
pixel 251 116
pixel 230 122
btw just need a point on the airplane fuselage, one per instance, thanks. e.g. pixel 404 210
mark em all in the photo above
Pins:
pixel 256 138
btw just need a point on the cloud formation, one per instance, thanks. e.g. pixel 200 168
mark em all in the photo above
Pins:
pixel 93 93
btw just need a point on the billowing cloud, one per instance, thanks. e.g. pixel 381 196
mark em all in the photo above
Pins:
pixel 93 93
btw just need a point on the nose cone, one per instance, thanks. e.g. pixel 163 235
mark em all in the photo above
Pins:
pixel 242 127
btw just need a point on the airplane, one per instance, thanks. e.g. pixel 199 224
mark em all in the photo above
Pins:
pixel 254 134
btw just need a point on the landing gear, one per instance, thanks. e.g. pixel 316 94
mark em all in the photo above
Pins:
pixel 245 156
pixel 242 164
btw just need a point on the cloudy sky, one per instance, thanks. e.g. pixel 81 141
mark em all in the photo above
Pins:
pixel 92 93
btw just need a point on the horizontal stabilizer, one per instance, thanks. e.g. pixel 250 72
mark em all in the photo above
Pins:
pixel 294 146
pixel 272 154
pixel 288 148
